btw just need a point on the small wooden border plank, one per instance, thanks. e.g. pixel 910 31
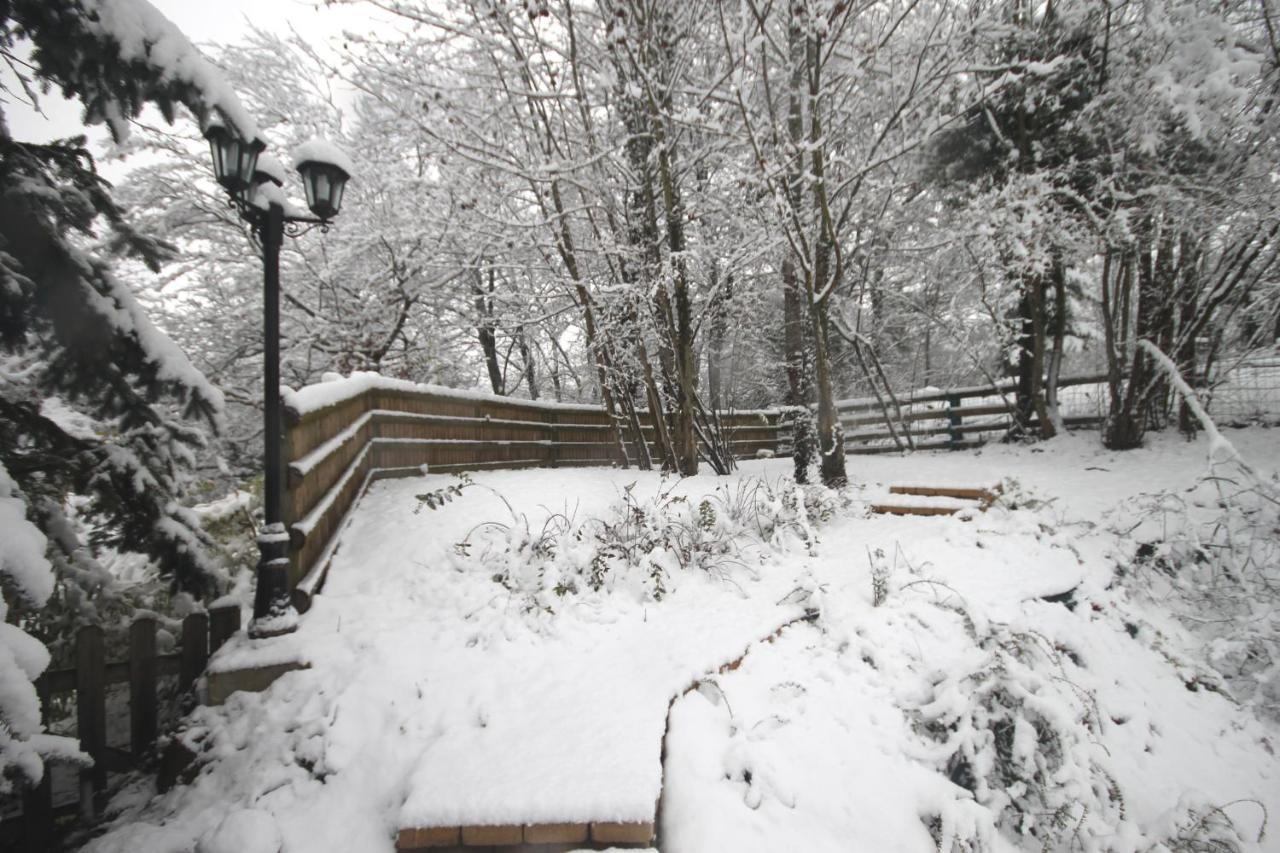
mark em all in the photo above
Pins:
pixel 893 509
pixel 982 494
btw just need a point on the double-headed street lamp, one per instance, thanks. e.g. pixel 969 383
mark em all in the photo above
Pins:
pixel 254 183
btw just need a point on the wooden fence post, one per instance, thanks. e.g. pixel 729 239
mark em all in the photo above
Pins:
pixel 553 457
pixel 91 712
pixel 142 685
pixel 223 622
pixel 953 419
pixel 195 648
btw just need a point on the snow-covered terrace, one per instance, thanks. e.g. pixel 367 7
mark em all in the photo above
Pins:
pixel 451 691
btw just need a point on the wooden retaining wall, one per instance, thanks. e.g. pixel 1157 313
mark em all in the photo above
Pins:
pixel 332 453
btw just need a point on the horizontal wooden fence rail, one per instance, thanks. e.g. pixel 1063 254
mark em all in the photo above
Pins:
pixel 88 681
pixel 926 414
pixel 342 435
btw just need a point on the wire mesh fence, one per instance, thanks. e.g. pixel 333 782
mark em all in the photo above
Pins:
pixel 1246 391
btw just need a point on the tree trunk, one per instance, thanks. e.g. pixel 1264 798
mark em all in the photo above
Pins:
pixel 1037 358
pixel 716 337
pixel 1185 352
pixel 830 433
pixel 569 256
pixel 1025 395
pixel 530 367
pixel 486 329
pixel 1059 279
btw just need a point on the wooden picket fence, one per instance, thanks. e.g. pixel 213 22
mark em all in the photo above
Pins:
pixel 88 681
pixel 956 418
pixel 333 453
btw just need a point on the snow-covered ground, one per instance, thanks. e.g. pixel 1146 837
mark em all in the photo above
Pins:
pixel 528 676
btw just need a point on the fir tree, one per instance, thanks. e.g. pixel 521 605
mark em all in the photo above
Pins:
pixel 94 400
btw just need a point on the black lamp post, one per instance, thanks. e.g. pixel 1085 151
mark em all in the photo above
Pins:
pixel 254 183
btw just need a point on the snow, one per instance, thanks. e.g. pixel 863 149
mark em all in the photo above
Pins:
pixel 244 831
pixel 308 523
pixel 25 570
pixel 22 559
pixel 74 423
pixel 1220 449
pixel 224 507
pixel 325 394
pixel 29 654
pixel 931 501
pixel 439 695
pixel 119 307
pixel 272 168
pixel 304 465
pixel 322 151
pixel 337 389
pixel 267 194
pixel 143 34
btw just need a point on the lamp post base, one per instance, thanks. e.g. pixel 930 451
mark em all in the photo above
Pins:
pixel 273 611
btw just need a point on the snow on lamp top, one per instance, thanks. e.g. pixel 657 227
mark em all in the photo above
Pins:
pixel 266 193
pixel 234 158
pixel 319 150
pixel 325 170
pixel 270 169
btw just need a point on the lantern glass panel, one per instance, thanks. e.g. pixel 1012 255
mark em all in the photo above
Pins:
pixel 234 159
pixel 323 187
pixel 339 187
pixel 248 160
pixel 309 186
pixel 224 150
pixel 324 183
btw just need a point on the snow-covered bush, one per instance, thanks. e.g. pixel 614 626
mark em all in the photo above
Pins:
pixel 1018 733
pixel 1212 554
pixel 1012 717
pixel 643 544
pixel 782 513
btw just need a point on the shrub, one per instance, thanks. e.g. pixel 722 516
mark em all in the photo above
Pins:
pixel 645 543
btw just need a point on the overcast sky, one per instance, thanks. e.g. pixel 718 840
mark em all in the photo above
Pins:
pixel 204 22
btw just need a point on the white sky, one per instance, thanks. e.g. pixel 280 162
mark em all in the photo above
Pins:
pixel 204 22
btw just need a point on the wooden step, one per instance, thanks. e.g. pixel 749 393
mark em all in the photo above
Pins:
pixel 935 499
pixel 596 835
pixel 985 495
pixel 896 509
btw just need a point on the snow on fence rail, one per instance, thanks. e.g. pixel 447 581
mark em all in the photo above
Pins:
pixel 88 684
pixel 959 412
pixel 341 435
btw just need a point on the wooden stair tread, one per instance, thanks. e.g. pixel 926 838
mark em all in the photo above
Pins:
pixel 584 835
pixel 934 499
pixel 896 509
pixel 983 494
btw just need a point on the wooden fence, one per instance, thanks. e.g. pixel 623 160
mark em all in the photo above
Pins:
pixel 88 681
pixel 929 414
pixel 334 451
